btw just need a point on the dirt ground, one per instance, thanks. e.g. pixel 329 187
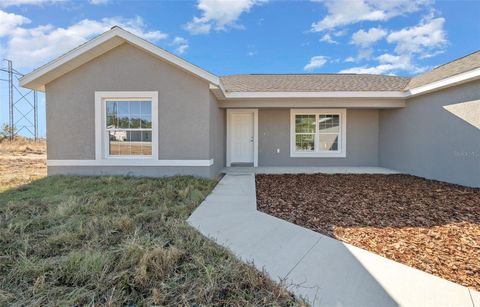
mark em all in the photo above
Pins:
pixel 21 162
pixel 430 225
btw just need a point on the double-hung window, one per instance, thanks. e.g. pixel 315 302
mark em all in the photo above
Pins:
pixel 127 124
pixel 318 133
pixel 128 127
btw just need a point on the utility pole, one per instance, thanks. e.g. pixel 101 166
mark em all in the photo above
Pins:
pixel 10 99
pixel 23 109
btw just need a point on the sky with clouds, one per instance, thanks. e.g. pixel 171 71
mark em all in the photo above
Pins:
pixel 398 37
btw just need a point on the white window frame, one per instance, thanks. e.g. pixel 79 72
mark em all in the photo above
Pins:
pixel 101 140
pixel 342 143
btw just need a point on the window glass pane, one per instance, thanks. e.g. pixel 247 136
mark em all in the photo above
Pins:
pixel 118 143
pixel 123 122
pixel 305 123
pixel 146 107
pixel 147 143
pixel 111 121
pixel 305 142
pixel 123 108
pixel 328 123
pixel 135 138
pixel 130 143
pixel 328 142
pixel 111 108
pixel 135 120
pixel 135 107
pixel 146 121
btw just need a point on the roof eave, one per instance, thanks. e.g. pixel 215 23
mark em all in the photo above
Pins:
pixel 330 94
pixel 458 79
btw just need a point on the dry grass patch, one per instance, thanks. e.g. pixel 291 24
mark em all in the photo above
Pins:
pixel 112 241
pixel 430 225
pixel 21 161
pixel 119 241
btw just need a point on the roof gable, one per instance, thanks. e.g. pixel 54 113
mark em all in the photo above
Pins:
pixel 98 46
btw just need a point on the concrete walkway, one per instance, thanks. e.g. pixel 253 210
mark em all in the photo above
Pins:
pixel 324 271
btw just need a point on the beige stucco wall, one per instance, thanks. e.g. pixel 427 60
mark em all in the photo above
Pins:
pixel 433 139
pixel 274 133
pixel 183 104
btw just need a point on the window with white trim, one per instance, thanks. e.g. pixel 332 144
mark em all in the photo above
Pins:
pixel 318 133
pixel 126 125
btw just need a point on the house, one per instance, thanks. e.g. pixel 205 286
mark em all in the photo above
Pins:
pixel 121 105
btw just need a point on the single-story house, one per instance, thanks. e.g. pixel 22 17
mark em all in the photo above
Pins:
pixel 121 105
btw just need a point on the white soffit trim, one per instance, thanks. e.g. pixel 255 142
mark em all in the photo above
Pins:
pixel 130 162
pixel 338 94
pixel 443 83
pixel 38 78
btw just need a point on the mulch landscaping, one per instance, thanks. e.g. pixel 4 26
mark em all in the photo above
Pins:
pixel 429 225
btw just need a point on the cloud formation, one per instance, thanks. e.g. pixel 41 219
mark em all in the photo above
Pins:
pixel 346 12
pixel 316 62
pixel 218 15
pixel 30 47
pixel 365 39
pixel 180 44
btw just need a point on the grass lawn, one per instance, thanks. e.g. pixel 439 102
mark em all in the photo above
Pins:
pixel 117 240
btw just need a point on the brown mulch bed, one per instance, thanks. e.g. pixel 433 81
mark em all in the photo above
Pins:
pixel 429 225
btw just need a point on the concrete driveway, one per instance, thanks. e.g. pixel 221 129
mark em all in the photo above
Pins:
pixel 322 270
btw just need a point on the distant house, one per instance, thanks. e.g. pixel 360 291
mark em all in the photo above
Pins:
pixel 133 108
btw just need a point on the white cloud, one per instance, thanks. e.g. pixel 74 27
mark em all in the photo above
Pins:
pixel 7 3
pixel 180 44
pixel 9 22
pixel 365 39
pixel 30 47
pixel 428 35
pixel 316 62
pixel 388 64
pixel 327 38
pixel 219 14
pixel 345 12
pixel 99 2
pixel 424 40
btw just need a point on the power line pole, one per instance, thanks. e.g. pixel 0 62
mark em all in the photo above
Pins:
pixel 20 107
pixel 10 99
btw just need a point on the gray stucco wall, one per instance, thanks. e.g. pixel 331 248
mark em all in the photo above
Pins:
pixel 183 100
pixel 274 132
pixel 217 135
pixel 184 106
pixel 424 139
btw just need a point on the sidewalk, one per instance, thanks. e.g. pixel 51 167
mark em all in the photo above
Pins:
pixel 324 271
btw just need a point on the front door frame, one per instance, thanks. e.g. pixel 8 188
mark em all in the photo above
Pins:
pixel 254 112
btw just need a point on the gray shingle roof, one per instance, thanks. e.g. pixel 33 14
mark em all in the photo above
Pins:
pixel 312 83
pixel 450 69
pixel 344 82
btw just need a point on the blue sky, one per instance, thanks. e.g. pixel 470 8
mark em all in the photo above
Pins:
pixel 401 37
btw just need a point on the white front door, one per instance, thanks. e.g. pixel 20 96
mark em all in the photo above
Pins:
pixel 242 138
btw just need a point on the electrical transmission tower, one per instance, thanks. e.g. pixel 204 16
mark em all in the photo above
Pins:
pixel 22 105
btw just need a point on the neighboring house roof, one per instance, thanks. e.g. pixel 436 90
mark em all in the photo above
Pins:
pixel 268 85
pixel 312 83
pixel 98 46
pixel 458 66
